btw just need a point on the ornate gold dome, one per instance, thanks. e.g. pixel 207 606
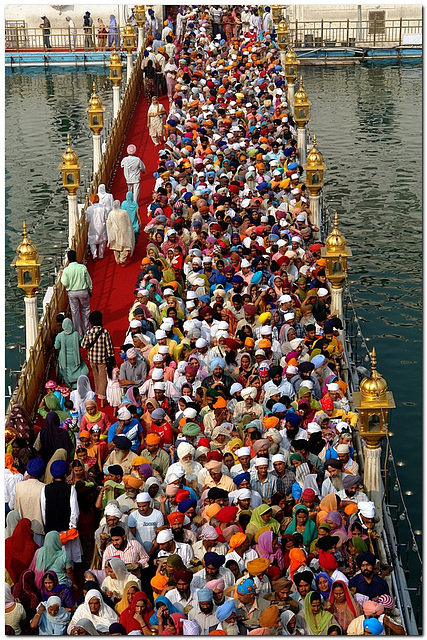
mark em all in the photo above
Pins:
pixel 27 251
pixel 314 158
pixel 375 387
pixel 300 95
pixel 291 56
pixel 69 157
pixel 95 100
pixel 336 242
pixel 115 59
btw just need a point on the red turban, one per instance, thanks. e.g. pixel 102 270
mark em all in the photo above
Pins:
pixel 181 495
pixel 327 560
pixel 176 516
pixel 327 403
pixel 214 455
pixel 227 514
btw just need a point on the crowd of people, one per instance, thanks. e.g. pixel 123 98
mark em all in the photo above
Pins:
pixel 208 484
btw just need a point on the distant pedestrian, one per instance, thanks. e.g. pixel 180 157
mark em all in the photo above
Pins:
pixel 100 349
pixel 96 215
pixel 102 35
pixel 87 28
pixel 78 284
pixel 45 25
pixel 121 237
pixel 73 32
pixel 113 38
pixel 132 167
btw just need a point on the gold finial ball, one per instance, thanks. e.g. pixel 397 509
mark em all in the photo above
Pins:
pixel 291 56
pixel 69 157
pixel 115 59
pixel 95 101
pixel 336 242
pixel 375 386
pixel 26 250
pixel 315 158
pixel 301 94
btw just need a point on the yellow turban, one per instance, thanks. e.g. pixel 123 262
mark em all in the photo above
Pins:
pixel 264 317
pixel 136 462
pixel 133 482
pixel 258 566
pixel 212 510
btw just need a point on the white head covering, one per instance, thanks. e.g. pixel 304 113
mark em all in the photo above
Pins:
pixel 183 449
pixel 105 617
pixel 249 392
pixel 367 509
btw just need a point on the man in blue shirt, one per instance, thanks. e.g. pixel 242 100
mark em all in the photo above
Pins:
pixel 128 426
pixel 367 582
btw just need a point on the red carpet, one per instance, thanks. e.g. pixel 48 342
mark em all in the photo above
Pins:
pixel 113 285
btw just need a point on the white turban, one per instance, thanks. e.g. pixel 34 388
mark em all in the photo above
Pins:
pixel 259 462
pixel 313 427
pixel 112 510
pixel 249 392
pixel 184 449
pixel 367 509
pixel 243 494
pixel 274 435
pixel 164 536
pixel 243 451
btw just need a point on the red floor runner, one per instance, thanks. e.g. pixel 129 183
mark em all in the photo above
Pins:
pixel 113 285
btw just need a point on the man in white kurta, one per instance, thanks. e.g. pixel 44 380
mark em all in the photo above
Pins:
pixel 121 238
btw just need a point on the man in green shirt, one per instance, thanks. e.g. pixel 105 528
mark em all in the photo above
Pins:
pixel 158 457
pixel 78 284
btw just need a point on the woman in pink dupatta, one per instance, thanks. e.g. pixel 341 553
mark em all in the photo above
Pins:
pixel 267 547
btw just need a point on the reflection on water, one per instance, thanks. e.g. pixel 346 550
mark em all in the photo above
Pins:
pixel 372 146
pixel 368 124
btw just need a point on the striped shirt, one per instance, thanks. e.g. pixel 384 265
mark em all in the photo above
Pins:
pixel 133 553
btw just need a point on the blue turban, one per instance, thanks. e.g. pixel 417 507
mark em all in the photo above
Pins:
pixel 288 151
pixel 296 491
pixel 225 610
pixel 58 469
pixel 318 361
pixel 278 408
pixel 257 277
pixel 185 505
pixel 214 559
pixel 274 237
pixel 247 586
pixel 237 279
pixel 374 626
pixel 221 279
pixel 365 557
pixel 292 166
pixel 293 418
pixel 205 298
pixel 241 477
pixel 35 468
pixel 171 122
pixel 262 186
pixel 205 595
pixel 217 362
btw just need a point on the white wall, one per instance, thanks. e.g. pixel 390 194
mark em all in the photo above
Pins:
pixel 31 13
pixel 308 13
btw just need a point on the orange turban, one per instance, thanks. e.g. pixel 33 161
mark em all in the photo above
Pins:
pixel 257 566
pixel 133 482
pixel 350 509
pixel 8 463
pixel 176 516
pixel 236 540
pixel 136 462
pixel 152 438
pixel 270 422
pixel 85 434
pixel 159 582
pixel 212 510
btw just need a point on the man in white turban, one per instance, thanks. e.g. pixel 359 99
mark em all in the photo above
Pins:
pixel 248 406
pixel 185 452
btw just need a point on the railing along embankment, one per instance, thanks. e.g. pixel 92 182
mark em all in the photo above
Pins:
pixel 34 372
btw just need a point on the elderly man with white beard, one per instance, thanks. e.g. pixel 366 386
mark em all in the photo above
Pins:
pixel 333 482
pixel 248 406
pixel 185 452
pixel 226 614
pixel 132 487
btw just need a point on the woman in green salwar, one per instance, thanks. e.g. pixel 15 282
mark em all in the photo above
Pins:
pixel 71 364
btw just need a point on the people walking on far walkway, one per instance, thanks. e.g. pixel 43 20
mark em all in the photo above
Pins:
pixel 132 167
pixel 78 283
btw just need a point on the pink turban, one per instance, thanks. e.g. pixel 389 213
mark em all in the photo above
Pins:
pixel 373 608
pixel 259 444
pixel 131 149
pixel 216 585
pixel 171 490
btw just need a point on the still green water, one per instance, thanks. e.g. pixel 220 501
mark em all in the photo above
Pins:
pixel 368 124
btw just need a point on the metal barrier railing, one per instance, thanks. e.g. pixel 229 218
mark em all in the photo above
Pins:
pixel 34 372
pixel 323 33
pixel 19 38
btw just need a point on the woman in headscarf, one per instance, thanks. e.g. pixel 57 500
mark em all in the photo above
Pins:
pixel 268 547
pixel 162 608
pixel 93 415
pixel 14 612
pixel 350 550
pixel 315 619
pixel 337 526
pixel 156 119
pixel 342 604
pixel 246 368
pixel 113 38
pixel 129 591
pixel 60 454
pixel 301 523
pixel 136 617
pixel 81 395
pixel 117 577
pixel 327 504
pixel 51 618
pixel 12 519
pixel 26 592
pixel 262 517
pixel 51 557
pixel 52 437
pixel 95 610
pixel 289 623
pixel 19 421
pixel 20 549
pixel 85 627
pixel 70 362
pixel 131 207
pixel 21 453
pixel 105 199
pixel 50 587
pixel 173 563
pixel 173 625
pixel 323 584
pixel 50 403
